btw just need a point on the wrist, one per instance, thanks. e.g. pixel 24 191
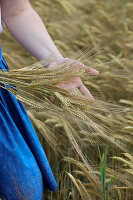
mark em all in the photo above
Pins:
pixel 46 53
pixel 54 60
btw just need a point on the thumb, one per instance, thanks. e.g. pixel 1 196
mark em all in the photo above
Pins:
pixel 52 99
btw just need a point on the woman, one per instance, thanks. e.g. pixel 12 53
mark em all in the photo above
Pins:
pixel 24 168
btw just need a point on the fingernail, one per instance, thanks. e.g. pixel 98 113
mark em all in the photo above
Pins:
pixel 52 99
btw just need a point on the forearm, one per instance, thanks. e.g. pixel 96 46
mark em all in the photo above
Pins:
pixel 29 30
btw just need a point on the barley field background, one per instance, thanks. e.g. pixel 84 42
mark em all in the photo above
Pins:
pixel 89 146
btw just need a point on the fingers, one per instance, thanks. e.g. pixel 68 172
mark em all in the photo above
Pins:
pixel 92 72
pixel 76 63
pixel 81 88
pixel 85 92
pixel 80 65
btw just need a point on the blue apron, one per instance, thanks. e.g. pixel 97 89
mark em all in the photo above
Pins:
pixel 24 168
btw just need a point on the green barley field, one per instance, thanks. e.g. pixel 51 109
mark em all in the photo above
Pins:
pixel 89 145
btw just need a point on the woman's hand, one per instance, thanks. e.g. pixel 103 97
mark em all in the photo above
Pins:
pixel 74 82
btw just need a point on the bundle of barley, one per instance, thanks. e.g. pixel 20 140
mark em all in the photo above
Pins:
pixel 85 123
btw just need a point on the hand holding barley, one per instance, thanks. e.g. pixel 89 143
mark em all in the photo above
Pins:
pixel 74 82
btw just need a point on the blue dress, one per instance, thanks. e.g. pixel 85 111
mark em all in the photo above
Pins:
pixel 24 168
